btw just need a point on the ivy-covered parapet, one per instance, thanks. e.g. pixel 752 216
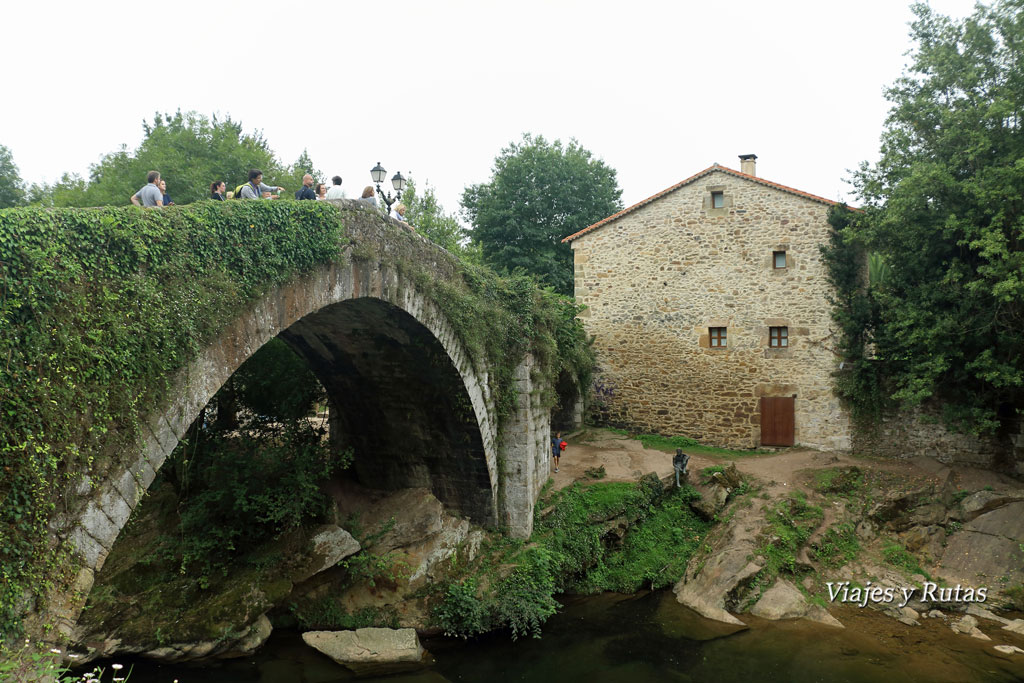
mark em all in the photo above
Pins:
pixel 118 325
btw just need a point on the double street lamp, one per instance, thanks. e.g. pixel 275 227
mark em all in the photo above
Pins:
pixel 398 182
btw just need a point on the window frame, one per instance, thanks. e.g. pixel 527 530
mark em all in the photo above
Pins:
pixel 720 335
pixel 778 337
pixel 775 259
pixel 719 195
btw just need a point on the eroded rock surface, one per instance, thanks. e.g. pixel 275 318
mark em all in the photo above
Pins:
pixel 371 651
pixel 785 601
pixel 710 581
pixel 986 547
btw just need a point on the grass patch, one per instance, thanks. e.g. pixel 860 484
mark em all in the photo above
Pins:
pixel 844 481
pixel 595 472
pixel 664 443
pixel 512 583
pixel 1015 594
pixel 838 546
pixel 708 473
pixel 898 556
pixel 791 523
pixel 660 442
pixel 654 554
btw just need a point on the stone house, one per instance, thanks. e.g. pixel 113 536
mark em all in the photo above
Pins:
pixel 709 306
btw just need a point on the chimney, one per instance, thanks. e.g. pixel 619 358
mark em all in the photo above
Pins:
pixel 748 164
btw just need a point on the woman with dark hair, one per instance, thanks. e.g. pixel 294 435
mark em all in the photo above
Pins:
pixel 321 191
pixel 217 190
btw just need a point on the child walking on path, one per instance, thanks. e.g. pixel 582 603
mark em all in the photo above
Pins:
pixel 557 446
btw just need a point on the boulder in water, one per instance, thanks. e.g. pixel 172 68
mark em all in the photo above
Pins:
pixel 371 651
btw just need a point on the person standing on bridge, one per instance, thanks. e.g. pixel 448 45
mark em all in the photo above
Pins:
pixel 368 196
pixel 255 187
pixel 150 194
pixel 336 192
pixel 307 189
pixel 163 189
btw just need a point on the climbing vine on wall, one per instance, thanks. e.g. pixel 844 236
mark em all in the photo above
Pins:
pixel 100 307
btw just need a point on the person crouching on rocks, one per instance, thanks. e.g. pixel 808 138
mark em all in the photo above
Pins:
pixel 680 463
pixel 557 446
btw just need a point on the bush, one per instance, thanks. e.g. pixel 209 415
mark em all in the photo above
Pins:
pixel 462 613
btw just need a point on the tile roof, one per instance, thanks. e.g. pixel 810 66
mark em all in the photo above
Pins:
pixel 709 169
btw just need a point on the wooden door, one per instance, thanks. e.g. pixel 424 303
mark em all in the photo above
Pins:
pixel 777 421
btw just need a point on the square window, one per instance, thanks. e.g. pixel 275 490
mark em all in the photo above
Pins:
pixel 778 337
pixel 717 337
pixel 717 200
pixel 779 259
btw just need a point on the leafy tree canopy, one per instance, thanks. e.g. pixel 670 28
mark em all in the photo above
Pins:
pixel 190 151
pixel 12 193
pixel 944 217
pixel 539 193
pixel 426 214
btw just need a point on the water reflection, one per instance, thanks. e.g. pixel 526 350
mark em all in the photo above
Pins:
pixel 619 639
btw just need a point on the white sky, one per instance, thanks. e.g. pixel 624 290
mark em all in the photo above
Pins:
pixel 659 90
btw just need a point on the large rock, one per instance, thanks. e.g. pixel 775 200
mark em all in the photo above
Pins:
pixel 331 544
pixel 371 651
pixel 986 547
pixel 243 644
pixel 781 601
pixel 892 512
pixel 711 581
pixel 969 627
pixel 707 592
pixel 925 540
pixel 1016 626
pixel 982 613
pixel 785 601
pixel 980 502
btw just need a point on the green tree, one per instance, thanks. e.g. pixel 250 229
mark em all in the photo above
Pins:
pixel 539 193
pixel 190 151
pixel 12 191
pixel 302 166
pixel 944 212
pixel 430 219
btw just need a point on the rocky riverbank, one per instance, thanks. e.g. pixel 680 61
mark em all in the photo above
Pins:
pixel 764 539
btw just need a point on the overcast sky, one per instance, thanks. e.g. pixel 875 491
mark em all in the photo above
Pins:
pixel 436 89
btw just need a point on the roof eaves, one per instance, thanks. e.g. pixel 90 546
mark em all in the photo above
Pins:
pixel 709 169
pixel 642 202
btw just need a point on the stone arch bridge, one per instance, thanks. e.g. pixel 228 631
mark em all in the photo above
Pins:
pixel 404 392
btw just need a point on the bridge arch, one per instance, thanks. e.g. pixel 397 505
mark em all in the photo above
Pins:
pixel 385 352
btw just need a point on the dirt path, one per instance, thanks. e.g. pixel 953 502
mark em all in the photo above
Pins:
pixel 625 459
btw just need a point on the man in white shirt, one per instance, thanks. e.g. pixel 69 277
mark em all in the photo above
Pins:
pixel 336 192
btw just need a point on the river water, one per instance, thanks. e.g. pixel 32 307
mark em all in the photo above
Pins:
pixel 650 637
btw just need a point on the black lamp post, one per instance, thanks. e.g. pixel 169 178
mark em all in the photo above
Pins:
pixel 398 182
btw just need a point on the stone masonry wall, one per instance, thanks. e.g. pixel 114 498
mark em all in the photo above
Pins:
pixel 523 454
pixel 920 432
pixel 657 278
